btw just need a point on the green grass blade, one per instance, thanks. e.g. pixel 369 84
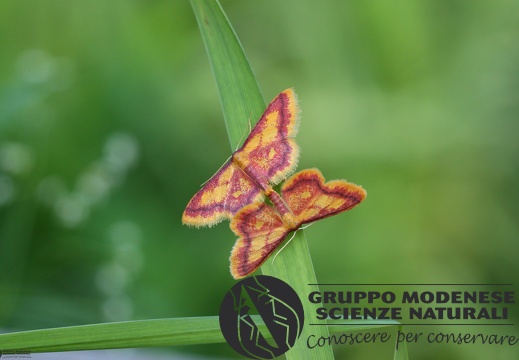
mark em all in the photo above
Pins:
pixel 401 348
pixel 294 266
pixel 239 92
pixel 242 102
pixel 131 334
pixel 128 334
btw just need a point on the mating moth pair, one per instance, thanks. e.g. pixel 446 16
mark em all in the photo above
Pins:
pixel 238 190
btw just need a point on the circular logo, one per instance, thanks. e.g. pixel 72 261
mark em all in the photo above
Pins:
pixel 259 298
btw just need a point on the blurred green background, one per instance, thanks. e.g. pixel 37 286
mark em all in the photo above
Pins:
pixel 110 121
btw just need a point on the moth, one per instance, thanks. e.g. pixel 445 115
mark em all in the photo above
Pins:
pixel 268 156
pixel 306 198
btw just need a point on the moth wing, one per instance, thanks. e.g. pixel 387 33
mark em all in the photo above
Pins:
pixel 270 153
pixel 221 197
pixel 260 231
pixel 311 199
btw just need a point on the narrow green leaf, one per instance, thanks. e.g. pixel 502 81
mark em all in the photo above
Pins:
pixel 133 334
pixel 401 348
pixel 239 92
pixel 242 102
pixel 128 334
pixel 294 266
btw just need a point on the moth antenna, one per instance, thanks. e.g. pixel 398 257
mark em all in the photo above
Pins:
pixel 280 250
pixel 224 163
pixel 306 226
pixel 289 240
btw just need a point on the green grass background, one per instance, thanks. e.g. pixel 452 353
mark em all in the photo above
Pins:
pixel 110 121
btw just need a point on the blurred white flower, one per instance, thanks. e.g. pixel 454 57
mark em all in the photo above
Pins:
pixel 71 210
pixel 36 66
pixel 121 151
pixel 15 158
